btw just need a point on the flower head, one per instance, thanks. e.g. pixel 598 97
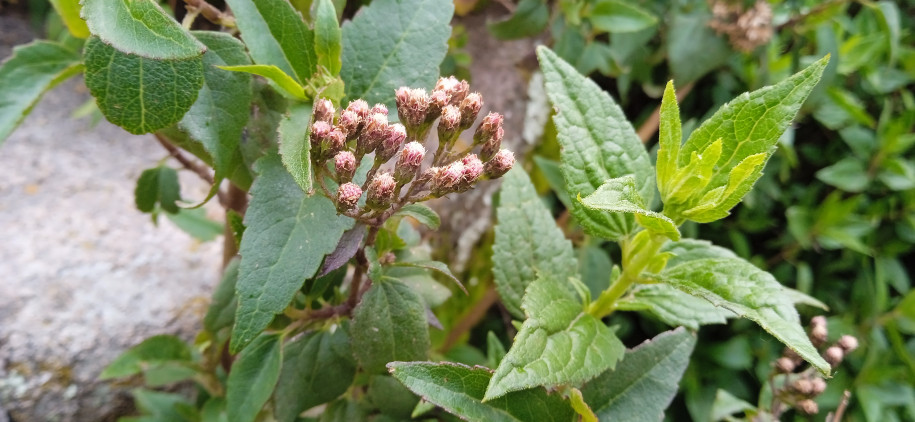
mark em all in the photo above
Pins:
pixel 392 141
pixel 344 166
pixel 324 111
pixel 348 195
pixel 411 158
pixel 381 191
pixel 470 108
pixel 500 164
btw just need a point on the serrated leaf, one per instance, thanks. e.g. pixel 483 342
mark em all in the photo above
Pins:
pixel 389 324
pixel 438 266
pixel 621 195
pixel 670 136
pixel 692 249
pixel 598 144
pixel 529 19
pixel 421 213
pixel 253 377
pixel 559 343
pixel 317 368
pixel 139 94
pixel 288 86
pixel 287 236
pixel 328 37
pixel 221 312
pixel 69 11
pixel 459 389
pixel 616 16
pixel 644 382
pixel 152 351
pixel 738 286
pixel 25 76
pixel 157 185
pixel 276 35
pixel 394 43
pixel 141 28
pixel 527 242
pixel 674 307
pixel 295 147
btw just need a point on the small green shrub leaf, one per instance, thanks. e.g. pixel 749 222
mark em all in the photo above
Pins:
pixel 253 377
pixel 286 84
pixel 221 312
pixel 194 221
pixel 141 28
pixel 849 174
pixel 674 307
pixel 328 37
pixel 287 236
pixel 738 286
pixel 157 185
pixel 437 266
pixel 317 368
pixel 32 70
pixel 276 35
pixel 598 144
pixel 527 242
pixel 295 147
pixel 670 136
pixel 618 16
pixel 394 43
pixel 459 389
pixel 621 195
pixel 152 351
pixel 529 19
pixel 559 344
pixel 421 213
pixel 644 382
pixel 389 324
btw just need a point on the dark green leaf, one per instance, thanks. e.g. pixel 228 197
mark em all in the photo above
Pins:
pixel 317 368
pixel 295 147
pixel 221 312
pixel 287 236
pixel 848 174
pixel 154 350
pixel 690 37
pixel 391 397
pixel 495 350
pixel 617 16
pixel 158 186
pixel 459 389
pixel 139 94
pixel 423 214
pixel 140 27
pixel 389 324
pixel 527 242
pixel 595 267
pixel 530 18
pixel 32 69
pixel 161 407
pixel 394 43
pixel 253 377
pixel 328 37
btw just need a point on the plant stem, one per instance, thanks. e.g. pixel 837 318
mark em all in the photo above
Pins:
pixel 236 200
pixel 636 259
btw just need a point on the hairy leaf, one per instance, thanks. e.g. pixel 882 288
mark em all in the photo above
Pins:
pixel 287 236
pixel 221 312
pixel 674 307
pixel 529 19
pixel 140 27
pixel 423 214
pixel 253 377
pixel 670 136
pixel 527 242
pixel 286 84
pixel 644 382
pixel 328 37
pixel 621 195
pixel 459 389
pixel 692 249
pixel 295 147
pixel 598 144
pixel 69 11
pixel 394 43
pixel 33 69
pixel 317 368
pixel 389 324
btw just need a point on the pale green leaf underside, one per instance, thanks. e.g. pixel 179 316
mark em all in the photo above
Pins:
pixel 253 377
pixel 621 195
pixel 394 43
pixel 287 86
pixel 559 344
pixel 287 236
pixel 598 144
pixel 295 147
pixel 33 69
pixel 389 324
pixel 140 27
pixel 527 242
pixel 644 382
pixel 423 214
pixel 459 389
pixel 674 307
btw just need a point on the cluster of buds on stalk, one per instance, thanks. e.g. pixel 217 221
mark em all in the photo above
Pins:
pixel 340 142
pixel 802 384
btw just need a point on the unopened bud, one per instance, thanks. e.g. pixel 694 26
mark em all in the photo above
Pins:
pixel 349 123
pixel 803 386
pixel 438 100
pixel 360 107
pixel 447 178
pixel 379 108
pixel 447 84
pixel 344 166
pixel 847 343
pixel 448 126
pixel 348 195
pixel 470 108
pixel 818 386
pixel 834 355
pixel 488 127
pixel 491 146
pixel 460 92
pixel 392 141
pixel 319 133
pixel 412 106
pixel 324 111
pixel 785 365
pixel 808 407
pixel 333 143
pixel 500 164
pixel 375 130
pixel 818 334
pixel 411 158
pixel 473 168
pixel 380 191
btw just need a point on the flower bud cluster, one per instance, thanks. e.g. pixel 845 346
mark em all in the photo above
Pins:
pixel 340 139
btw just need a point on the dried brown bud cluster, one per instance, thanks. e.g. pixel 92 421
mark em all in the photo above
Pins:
pixel 745 28
pixel 360 130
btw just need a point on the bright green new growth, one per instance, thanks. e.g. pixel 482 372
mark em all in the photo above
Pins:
pixel 620 195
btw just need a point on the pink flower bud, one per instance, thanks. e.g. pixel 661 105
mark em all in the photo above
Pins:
pixel 349 123
pixel 490 125
pixel 437 101
pixel 492 145
pixel 333 143
pixel 808 407
pixel 411 158
pixel 473 168
pixel 818 386
pixel 360 107
pixel 379 108
pixel 412 106
pixel 470 108
pixel 348 195
pixel 448 126
pixel 460 92
pixel 834 355
pixel 447 178
pixel 785 365
pixel 319 132
pixel 847 343
pixel 381 191
pixel 345 166
pixel 500 164
pixel 448 85
pixel 375 130
pixel 324 111
pixel 392 141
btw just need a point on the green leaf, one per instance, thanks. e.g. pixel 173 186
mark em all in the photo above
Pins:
pixel 288 86
pixel 287 236
pixel 737 285
pixel 253 377
pixel 848 174
pixel 441 267
pixel 221 312
pixel 317 368
pixel 219 115
pixel 32 70
pixel 422 214
pixel 69 11
pixel 141 28
pixel 621 195
pixel 328 37
pixel 692 249
pixel 559 343
pixel 674 307
pixel 394 43
pixel 152 351
pixel 391 397
pixel 194 221
pixel 389 324
pixel 276 35
pixel 529 19
pixel 527 242
pixel 644 382
pixel 160 406
pixel 690 37
pixel 295 148
pixel 670 136
pixel 459 389
pixel 616 16
pixel 598 144
pixel 157 185
pixel 139 94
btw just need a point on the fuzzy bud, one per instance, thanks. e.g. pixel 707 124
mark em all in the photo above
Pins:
pixel 460 92
pixel 847 343
pixel 808 407
pixel 381 191
pixel 333 143
pixel 785 365
pixel 818 332
pixel 324 111
pixel 345 166
pixel 392 141
pixel 375 130
pixel 488 127
pixel 411 158
pixel 360 107
pixel 348 195
pixel 500 164
pixel 447 85
pixel 412 106
pixel 438 100
pixel 818 386
pixel 320 130
pixel 492 145
pixel 349 123
pixel 803 386
pixel 448 126
pixel 473 168
pixel 379 108
pixel 470 108
pixel 447 179
pixel 834 355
